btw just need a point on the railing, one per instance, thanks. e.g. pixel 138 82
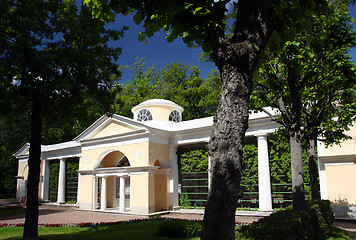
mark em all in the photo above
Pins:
pixel 194 187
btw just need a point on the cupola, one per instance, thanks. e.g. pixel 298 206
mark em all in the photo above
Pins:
pixel 157 110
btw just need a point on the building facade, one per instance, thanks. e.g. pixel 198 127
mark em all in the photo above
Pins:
pixel 131 164
pixel 337 173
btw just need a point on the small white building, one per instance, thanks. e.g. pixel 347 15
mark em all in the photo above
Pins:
pixel 337 174
pixel 131 164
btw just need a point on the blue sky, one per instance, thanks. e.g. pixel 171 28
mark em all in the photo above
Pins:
pixel 159 52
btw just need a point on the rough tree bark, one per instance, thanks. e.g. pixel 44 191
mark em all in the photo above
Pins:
pixel 295 138
pixel 298 195
pixel 313 169
pixel 31 220
pixel 236 59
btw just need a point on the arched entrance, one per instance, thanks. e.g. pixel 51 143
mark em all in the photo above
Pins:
pixel 113 178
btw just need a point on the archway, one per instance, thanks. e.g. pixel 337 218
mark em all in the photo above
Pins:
pixel 111 170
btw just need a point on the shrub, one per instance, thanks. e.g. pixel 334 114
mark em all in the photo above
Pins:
pixel 314 222
pixel 184 201
pixel 180 229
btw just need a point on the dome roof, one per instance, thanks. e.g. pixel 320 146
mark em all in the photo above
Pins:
pixel 156 102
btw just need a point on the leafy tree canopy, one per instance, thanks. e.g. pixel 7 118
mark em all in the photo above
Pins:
pixel 177 82
pixel 326 76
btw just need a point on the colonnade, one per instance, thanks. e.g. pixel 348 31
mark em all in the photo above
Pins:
pixel 61 194
pixel 103 192
pixel 264 181
pixel 265 200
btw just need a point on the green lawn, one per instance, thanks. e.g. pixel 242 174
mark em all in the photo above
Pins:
pixel 5 212
pixel 133 231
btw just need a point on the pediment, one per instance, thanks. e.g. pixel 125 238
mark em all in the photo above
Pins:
pixel 23 151
pixel 110 126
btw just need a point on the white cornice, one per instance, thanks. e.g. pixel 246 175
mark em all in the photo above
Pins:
pixel 338 159
pixel 22 150
pixel 116 140
pixel 157 102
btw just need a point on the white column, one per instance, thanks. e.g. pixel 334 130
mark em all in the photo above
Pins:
pixel 95 192
pixel 45 182
pixel 79 176
pixel 61 181
pixel 322 171
pixel 264 180
pixel 322 180
pixel 122 194
pixel 173 178
pixel 209 173
pixel 103 194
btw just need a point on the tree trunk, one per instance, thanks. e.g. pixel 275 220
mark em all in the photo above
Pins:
pixel 236 59
pixel 313 169
pixel 226 149
pixel 297 171
pixel 34 162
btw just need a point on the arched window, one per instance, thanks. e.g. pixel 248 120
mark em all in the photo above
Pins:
pixel 174 116
pixel 124 162
pixel 144 115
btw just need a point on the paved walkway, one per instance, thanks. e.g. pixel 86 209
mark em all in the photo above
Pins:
pixel 62 215
pixel 51 214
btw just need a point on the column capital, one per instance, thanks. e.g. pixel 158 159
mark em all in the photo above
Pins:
pixel 261 135
pixel 173 145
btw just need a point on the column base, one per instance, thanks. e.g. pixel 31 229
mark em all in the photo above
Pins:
pixel 176 208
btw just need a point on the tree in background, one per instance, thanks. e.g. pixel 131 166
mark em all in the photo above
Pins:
pixel 177 82
pixel 13 133
pixel 52 58
pixel 204 23
pixel 311 81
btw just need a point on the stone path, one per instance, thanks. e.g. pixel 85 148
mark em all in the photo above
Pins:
pixel 51 214
pixel 56 214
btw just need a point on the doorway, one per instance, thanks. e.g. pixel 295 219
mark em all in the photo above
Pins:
pixel 126 194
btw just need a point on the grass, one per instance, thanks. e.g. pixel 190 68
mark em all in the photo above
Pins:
pixel 5 212
pixel 143 230
pixel 133 231
pixel 338 234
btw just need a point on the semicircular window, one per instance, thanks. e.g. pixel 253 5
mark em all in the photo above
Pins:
pixel 174 116
pixel 144 115
pixel 124 162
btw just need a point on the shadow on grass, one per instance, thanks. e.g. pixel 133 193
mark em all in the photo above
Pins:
pixel 12 213
pixel 338 233
pixel 141 231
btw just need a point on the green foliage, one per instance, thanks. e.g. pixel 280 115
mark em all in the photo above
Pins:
pixel 184 201
pixel 315 222
pixel 250 167
pixel 323 76
pixel 193 160
pixel 53 180
pixel 72 167
pixel 180 229
pixel 177 82
pixel 13 134
pixel 64 61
